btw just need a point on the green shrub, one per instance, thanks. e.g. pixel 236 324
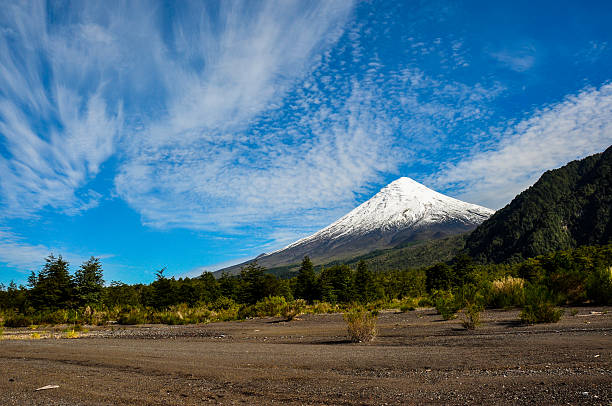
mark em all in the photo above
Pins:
pixel 231 313
pixel 361 324
pixel 507 292
pixel 293 309
pixel 447 304
pixel 424 301
pixel 471 316
pixel 599 287
pixel 539 306
pixel 246 311
pixel 134 315
pixel 407 304
pixel 14 319
pixel 271 306
pixel 222 303
pixel 323 307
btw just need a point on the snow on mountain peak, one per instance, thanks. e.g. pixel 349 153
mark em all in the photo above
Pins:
pixel 402 204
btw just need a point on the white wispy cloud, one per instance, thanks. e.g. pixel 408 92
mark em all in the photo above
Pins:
pixel 519 59
pixel 18 253
pixel 309 169
pixel 574 128
pixel 203 164
pixel 55 123
pixel 270 115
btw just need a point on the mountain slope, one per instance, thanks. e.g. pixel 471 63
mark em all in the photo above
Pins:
pixel 405 256
pixel 401 212
pixel 565 208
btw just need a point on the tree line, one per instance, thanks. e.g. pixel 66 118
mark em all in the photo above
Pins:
pixel 573 276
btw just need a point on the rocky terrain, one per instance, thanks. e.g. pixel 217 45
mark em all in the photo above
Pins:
pixel 417 359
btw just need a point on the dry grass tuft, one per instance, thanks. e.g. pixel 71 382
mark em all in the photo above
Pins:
pixel 361 325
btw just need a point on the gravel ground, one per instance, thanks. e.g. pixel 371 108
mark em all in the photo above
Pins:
pixel 417 359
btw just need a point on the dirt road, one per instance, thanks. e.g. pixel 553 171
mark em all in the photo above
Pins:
pixel 417 359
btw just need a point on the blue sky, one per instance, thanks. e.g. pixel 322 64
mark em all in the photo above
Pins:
pixel 191 134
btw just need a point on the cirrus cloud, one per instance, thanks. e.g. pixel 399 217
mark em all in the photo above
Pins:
pixel 574 128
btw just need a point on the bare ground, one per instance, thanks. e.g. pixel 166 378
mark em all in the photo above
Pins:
pixel 417 359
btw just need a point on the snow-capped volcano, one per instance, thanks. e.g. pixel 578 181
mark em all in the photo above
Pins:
pixel 403 204
pixel 402 211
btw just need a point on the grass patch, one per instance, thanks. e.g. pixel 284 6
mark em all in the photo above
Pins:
pixel 361 324
pixel 72 334
pixel 293 309
pixel 507 292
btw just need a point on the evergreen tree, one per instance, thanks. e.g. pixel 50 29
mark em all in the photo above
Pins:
pixel 305 287
pixel 209 287
pixel 336 284
pixel 163 294
pixel 252 283
pixel 89 282
pixel 229 286
pixel 54 286
pixel 364 284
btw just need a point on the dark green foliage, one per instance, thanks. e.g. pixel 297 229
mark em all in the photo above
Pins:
pixel 447 304
pixel 567 208
pixel 53 287
pixel 399 284
pixel 465 269
pixel 121 294
pixel 13 297
pixel 540 306
pixel 364 285
pixel 440 277
pixel 229 286
pixel 567 273
pixel 599 285
pixel 252 283
pixel 581 275
pixel 164 291
pixel 255 284
pixel 335 284
pixel 89 283
pixel 305 287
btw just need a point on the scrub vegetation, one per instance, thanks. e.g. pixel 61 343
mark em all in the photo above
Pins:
pixel 460 287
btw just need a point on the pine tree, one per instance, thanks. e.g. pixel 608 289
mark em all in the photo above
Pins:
pixel 364 285
pixel 54 286
pixel 305 286
pixel 89 282
pixel 252 283
pixel 163 291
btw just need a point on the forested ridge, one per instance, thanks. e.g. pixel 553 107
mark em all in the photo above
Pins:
pixel 566 208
